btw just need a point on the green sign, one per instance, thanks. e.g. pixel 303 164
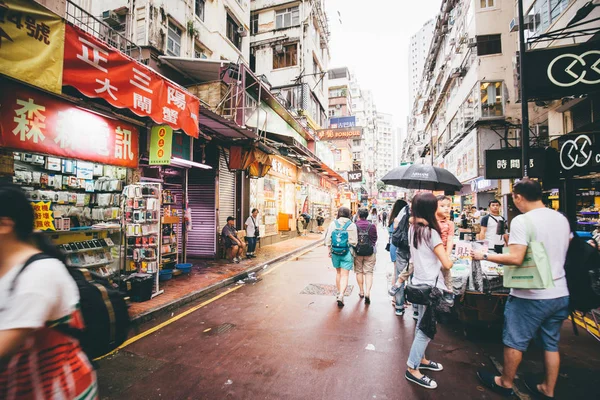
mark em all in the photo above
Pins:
pixel 161 143
pixel 181 146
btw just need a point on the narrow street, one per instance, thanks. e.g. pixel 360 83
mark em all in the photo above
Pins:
pixel 269 341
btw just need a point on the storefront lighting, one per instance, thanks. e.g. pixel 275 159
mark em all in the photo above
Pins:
pixel 186 163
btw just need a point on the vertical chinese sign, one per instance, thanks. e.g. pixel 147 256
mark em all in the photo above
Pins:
pixel 161 141
pixel 99 70
pixel 32 43
pixel 34 121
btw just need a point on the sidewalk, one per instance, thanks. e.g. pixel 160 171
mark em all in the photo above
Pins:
pixel 209 275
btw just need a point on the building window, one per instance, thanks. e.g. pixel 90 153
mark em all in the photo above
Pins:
pixel 199 52
pixel 199 9
pixel 287 17
pixel 491 99
pixel 546 12
pixel 233 32
pixel 285 56
pixel 488 44
pixel 487 3
pixel 173 40
pixel 254 23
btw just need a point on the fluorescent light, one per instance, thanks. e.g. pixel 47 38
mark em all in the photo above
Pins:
pixel 186 163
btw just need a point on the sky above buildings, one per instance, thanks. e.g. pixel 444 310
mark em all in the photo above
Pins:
pixel 371 38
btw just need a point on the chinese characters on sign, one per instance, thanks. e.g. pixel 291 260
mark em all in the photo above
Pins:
pixel 342 133
pixel 43 216
pixel 161 141
pixel 462 159
pixel 506 163
pixel 34 121
pixel 31 44
pixel 98 70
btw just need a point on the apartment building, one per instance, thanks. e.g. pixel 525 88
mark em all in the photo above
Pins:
pixel 290 47
pixel 385 139
pixel 417 53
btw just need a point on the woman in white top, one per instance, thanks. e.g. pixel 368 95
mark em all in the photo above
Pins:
pixel 252 233
pixel 373 216
pixel 429 257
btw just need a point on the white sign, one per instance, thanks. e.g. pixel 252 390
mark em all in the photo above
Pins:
pixel 462 160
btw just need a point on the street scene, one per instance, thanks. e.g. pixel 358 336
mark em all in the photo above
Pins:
pixel 305 199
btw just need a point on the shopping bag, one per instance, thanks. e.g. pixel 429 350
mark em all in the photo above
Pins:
pixel 536 271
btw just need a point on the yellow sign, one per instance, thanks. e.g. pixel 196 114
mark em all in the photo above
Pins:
pixel 161 144
pixel 32 42
pixel 43 216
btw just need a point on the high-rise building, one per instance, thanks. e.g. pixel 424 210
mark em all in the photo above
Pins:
pixel 417 53
pixel 384 160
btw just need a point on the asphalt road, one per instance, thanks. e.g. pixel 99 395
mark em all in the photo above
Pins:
pixel 268 341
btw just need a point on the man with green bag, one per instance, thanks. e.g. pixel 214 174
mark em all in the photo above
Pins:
pixel 539 298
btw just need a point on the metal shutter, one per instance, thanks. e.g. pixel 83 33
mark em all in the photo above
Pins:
pixel 226 190
pixel 201 196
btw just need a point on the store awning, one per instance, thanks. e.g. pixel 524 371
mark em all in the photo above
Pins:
pixel 199 70
pixel 213 124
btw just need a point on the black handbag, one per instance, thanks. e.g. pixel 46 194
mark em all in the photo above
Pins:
pixel 387 247
pixel 419 293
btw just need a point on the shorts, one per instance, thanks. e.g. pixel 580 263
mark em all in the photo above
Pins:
pixel 393 250
pixel 365 264
pixel 526 319
pixel 345 261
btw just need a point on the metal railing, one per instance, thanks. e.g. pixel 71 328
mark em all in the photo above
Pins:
pixel 92 25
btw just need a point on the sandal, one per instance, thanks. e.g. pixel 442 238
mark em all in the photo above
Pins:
pixel 361 295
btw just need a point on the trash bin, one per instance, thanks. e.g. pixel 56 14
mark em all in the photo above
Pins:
pixel 141 287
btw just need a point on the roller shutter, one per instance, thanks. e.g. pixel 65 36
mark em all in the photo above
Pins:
pixel 201 195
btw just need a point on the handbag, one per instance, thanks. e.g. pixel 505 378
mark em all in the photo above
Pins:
pixel 536 271
pixel 387 247
pixel 419 293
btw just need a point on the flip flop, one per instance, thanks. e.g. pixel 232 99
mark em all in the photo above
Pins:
pixel 361 295
pixel 531 384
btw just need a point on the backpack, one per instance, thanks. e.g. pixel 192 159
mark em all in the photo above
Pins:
pixel 103 308
pixel 339 239
pixel 400 234
pixel 364 246
pixel 582 268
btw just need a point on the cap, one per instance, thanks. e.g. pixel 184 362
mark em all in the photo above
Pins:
pixel 230 219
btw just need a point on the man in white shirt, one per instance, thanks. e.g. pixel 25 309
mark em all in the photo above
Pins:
pixel 252 233
pixel 493 227
pixel 532 313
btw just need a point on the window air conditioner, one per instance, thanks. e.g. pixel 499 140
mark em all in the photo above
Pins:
pixel 472 42
pixel 242 31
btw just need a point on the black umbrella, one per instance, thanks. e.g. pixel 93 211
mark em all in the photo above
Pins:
pixel 422 176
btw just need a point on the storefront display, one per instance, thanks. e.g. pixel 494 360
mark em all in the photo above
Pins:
pixel 170 242
pixel 587 199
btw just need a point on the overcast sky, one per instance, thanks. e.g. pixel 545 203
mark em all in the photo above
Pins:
pixel 372 40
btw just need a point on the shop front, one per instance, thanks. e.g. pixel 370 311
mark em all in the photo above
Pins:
pixel 462 161
pixel 485 191
pixel 314 195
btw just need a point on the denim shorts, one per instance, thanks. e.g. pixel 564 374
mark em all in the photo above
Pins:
pixel 526 319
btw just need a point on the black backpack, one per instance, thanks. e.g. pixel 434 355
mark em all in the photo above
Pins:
pixel 582 269
pixel 364 246
pixel 103 308
pixel 400 234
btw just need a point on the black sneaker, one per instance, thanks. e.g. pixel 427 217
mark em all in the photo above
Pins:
pixel 432 366
pixel 415 315
pixel 424 381
pixel 340 301
pixel 488 380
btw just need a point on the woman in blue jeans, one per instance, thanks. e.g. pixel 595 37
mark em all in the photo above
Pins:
pixel 399 262
pixel 429 257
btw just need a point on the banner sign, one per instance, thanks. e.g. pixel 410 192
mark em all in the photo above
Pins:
pixel 340 133
pixel 462 159
pixel 579 154
pixel 181 146
pixel 161 143
pixel 562 71
pixel 37 122
pixel 43 216
pixel 388 195
pixel 506 163
pixel 98 70
pixel 32 41
pixel 342 122
pixel 355 176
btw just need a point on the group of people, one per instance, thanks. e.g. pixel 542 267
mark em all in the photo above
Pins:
pixel 425 254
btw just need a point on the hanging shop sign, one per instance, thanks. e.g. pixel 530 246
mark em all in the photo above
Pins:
pixel 43 216
pixel 99 70
pixel 161 143
pixel 31 44
pixel 506 163
pixel 340 133
pixel 481 184
pixel 579 154
pixel 355 176
pixel 342 122
pixel 388 195
pixel 462 159
pixel 563 71
pixel 325 183
pixel 36 122
pixel 182 146
pixel 282 169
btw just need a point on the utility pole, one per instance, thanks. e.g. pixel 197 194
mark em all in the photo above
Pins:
pixel 524 103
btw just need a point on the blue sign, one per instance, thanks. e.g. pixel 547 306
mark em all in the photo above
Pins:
pixel 342 122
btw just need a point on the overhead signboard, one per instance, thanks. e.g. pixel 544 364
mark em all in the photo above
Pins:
pixel 355 176
pixel 161 145
pixel 562 71
pixel 579 154
pixel 506 163
pixel 462 159
pixel 340 133
pixel 342 122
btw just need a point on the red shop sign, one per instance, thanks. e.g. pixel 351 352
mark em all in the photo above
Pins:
pixel 37 122
pixel 98 70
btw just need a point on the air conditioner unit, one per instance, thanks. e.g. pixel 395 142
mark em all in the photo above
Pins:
pixel 111 18
pixel 242 31
pixel 472 42
pixel 513 26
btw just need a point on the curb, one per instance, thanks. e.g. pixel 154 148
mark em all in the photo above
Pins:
pixel 165 308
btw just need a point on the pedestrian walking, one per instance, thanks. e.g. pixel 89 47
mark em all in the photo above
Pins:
pixel 307 217
pixel 493 228
pixel 535 313
pixel 429 257
pixel 400 258
pixel 384 216
pixel 366 254
pixel 373 216
pixel 37 360
pixel 233 245
pixel 300 225
pixel 340 237
pixel 252 233
pixel 320 221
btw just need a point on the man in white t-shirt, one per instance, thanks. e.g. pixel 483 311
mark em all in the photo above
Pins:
pixel 493 226
pixel 532 313
pixel 252 233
